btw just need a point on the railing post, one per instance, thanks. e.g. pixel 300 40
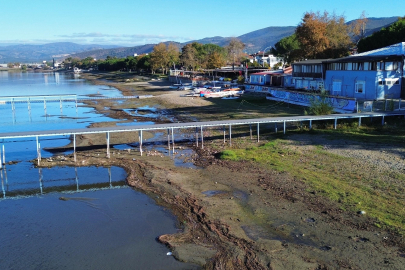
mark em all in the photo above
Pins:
pixel 284 126
pixel 202 138
pixel 196 136
pixel 224 132
pixel 310 124
pixel 230 135
pixel 382 120
pixel 141 142
pixel 258 132
pixel 173 140
pixel 359 121
pixel 251 135
pixel 168 140
pixel 74 147
pixel 275 127
pixel 335 122
pixel 108 144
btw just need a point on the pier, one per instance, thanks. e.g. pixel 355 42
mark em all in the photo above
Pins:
pixel 198 126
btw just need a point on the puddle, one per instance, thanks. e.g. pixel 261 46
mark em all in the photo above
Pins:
pixel 211 193
pixel 310 220
pixel 325 248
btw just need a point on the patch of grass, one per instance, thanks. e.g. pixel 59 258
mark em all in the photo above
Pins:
pixel 228 155
pixel 336 178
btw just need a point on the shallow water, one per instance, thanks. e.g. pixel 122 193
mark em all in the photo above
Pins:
pixel 103 224
pixel 107 229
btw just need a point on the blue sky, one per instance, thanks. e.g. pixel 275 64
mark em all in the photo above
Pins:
pixel 131 23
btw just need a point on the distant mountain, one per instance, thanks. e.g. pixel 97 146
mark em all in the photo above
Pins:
pixel 255 41
pixel 35 53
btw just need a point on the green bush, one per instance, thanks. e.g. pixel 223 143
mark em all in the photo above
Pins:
pixel 319 105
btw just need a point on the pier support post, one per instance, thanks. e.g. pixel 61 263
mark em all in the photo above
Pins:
pixel 196 136
pixel 74 147
pixel 168 140
pixel 108 144
pixel 202 138
pixel 284 126
pixel 38 151
pixel 173 140
pixel 230 135
pixel 258 132
pixel 141 142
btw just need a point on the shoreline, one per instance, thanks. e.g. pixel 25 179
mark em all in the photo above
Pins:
pixel 240 215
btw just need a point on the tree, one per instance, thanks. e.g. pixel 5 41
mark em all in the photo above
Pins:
pixel 358 28
pixel 311 33
pixel 287 48
pixel 215 60
pixel 395 33
pixel 172 55
pixel 189 56
pixel 235 51
pixel 159 57
pixel 323 36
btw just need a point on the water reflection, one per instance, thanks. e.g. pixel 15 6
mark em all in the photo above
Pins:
pixel 59 179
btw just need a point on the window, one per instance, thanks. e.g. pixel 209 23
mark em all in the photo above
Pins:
pixel 380 65
pixel 360 87
pixel 349 66
pixel 381 82
pixel 367 66
pixel 337 86
pixel 389 66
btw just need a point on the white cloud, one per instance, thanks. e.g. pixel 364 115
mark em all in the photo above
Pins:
pixel 101 39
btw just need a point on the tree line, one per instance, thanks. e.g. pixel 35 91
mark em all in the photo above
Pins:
pixel 192 56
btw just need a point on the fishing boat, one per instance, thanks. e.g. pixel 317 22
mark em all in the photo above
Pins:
pixel 225 93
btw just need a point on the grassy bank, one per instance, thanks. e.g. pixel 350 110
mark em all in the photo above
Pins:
pixel 354 184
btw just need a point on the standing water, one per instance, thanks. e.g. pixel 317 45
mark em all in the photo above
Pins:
pixel 66 217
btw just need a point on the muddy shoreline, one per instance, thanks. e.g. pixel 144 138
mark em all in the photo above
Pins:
pixel 236 215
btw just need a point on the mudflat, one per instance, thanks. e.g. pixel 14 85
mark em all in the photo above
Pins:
pixel 287 202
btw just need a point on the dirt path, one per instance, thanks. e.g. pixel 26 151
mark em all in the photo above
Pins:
pixel 241 215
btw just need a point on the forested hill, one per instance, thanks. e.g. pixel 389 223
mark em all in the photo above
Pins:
pixel 255 41
pixel 37 53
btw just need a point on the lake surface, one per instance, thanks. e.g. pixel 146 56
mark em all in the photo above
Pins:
pixel 102 224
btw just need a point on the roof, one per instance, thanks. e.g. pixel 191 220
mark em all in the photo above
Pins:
pixel 395 49
pixel 309 62
pixel 268 72
pixel 365 58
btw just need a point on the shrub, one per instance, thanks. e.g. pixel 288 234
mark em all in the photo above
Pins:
pixel 319 105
